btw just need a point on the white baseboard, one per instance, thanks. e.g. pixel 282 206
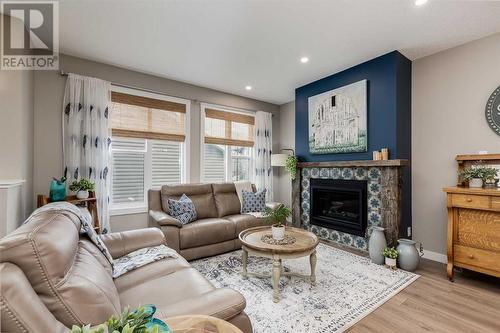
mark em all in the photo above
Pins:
pixel 435 256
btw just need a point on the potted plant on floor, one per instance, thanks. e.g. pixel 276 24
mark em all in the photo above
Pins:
pixel 474 175
pixel 390 254
pixel 82 188
pixel 278 218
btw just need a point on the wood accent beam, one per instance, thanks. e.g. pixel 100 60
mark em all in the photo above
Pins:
pixel 362 163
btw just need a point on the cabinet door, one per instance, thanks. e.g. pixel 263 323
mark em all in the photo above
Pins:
pixel 479 229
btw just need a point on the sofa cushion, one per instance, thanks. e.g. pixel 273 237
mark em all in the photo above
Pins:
pixel 206 231
pixel 68 278
pixel 245 221
pixel 166 289
pixel 200 194
pixel 226 199
pixel 150 272
pixel 253 202
pixel 182 209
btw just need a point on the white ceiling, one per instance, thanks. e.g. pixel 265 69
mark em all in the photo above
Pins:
pixel 228 44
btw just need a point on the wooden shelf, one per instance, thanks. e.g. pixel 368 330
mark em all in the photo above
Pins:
pixel 475 191
pixel 478 157
pixel 360 163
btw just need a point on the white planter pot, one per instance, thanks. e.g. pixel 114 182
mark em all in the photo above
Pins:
pixel 278 232
pixel 82 194
pixel 476 183
pixel 390 262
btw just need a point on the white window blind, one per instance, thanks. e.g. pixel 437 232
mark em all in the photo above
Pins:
pixel 128 171
pixel 214 163
pixel 165 163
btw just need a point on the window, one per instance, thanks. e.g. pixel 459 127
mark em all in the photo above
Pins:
pixel 228 145
pixel 148 147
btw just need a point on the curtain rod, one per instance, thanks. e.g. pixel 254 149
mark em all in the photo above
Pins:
pixel 63 73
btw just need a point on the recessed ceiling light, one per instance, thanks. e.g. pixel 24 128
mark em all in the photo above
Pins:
pixel 304 60
pixel 420 2
pixel 248 87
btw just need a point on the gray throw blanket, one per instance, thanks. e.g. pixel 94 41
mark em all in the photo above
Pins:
pixel 121 265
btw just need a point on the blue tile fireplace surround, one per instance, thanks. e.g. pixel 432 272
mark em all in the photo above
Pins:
pixel 389 126
pixel 383 207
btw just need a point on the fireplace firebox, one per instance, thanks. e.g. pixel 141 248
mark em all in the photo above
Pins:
pixel 339 204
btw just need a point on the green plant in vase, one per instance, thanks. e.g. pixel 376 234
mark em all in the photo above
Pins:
pixel 478 175
pixel 82 188
pixel 277 217
pixel 138 321
pixel 291 166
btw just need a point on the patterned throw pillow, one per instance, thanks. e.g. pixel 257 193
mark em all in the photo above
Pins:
pixel 182 209
pixel 253 202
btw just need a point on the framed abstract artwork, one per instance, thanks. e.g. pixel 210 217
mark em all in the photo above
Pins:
pixel 338 120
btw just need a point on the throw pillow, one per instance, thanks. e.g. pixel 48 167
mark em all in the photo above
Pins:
pixel 253 202
pixel 182 209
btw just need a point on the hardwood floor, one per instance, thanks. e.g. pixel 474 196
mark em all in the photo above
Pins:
pixel 433 304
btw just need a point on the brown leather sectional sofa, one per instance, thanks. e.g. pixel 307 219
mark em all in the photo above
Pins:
pixel 219 219
pixel 53 277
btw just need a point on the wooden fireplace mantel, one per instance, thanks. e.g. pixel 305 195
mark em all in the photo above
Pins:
pixel 360 163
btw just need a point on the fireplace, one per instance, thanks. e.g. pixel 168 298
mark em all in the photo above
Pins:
pixel 339 204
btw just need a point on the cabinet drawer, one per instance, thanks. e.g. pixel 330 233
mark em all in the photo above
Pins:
pixel 495 203
pixel 478 258
pixel 471 201
pixel 478 229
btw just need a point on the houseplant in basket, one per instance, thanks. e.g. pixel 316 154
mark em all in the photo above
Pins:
pixel 278 218
pixel 390 254
pixel 474 175
pixel 490 177
pixel 82 188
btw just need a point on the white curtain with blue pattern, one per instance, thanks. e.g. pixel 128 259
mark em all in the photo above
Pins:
pixel 87 137
pixel 263 137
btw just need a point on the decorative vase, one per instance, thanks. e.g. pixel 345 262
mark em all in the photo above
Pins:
pixel 376 245
pixel 476 183
pixel 408 256
pixel 82 194
pixel 57 191
pixel 390 262
pixel 278 232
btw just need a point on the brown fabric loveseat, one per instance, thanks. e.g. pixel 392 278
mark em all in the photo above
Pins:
pixel 219 219
pixel 52 277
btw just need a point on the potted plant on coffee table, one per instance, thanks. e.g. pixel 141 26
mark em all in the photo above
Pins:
pixel 82 188
pixel 278 218
pixel 390 254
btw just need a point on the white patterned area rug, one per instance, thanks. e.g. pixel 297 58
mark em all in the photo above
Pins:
pixel 348 288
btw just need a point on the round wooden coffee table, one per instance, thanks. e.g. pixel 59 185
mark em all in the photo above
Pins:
pixel 304 245
pixel 200 324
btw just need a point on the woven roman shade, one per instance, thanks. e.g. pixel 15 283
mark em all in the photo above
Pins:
pixel 147 118
pixel 228 128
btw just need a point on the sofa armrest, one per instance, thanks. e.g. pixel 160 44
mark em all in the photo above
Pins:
pixel 122 243
pixel 274 205
pixel 163 218
pixel 223 303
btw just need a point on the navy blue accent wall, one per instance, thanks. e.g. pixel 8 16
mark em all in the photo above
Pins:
pixel 389 115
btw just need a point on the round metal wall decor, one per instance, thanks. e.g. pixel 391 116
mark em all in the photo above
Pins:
pixel 493 111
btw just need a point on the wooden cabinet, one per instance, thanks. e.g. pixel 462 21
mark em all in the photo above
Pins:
pixel 473 229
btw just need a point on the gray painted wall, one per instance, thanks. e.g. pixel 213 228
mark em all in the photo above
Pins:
pixel 49 91
pixel 16 128
pixel 450 90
